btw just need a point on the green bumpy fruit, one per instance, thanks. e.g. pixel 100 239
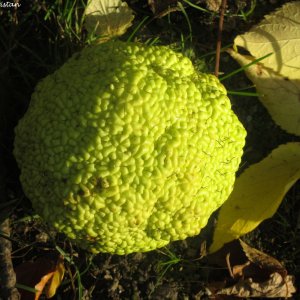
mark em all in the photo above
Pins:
pixel 127 147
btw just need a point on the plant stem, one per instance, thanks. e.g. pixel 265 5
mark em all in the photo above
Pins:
pixel 219 40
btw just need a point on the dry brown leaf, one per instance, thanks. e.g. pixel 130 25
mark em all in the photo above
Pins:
pixel 233 248
pixel 214 5
pixel 252 274
pixel 276 286
pixel 263 260
pixel 238 270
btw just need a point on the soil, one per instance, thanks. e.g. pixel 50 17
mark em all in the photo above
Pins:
pixel 174 272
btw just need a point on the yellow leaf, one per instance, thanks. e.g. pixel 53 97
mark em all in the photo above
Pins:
pixel 41 285
pixel 278 33
pixel 279 95
pixel 257 194
pixel 108 18
pixel 56 279
pixel 45 275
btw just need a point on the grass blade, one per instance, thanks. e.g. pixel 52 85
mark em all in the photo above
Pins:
pixel 196 6
pixel 26 288
pixel 190 37
pixel 245 67
pixel 137 28
pixel 247 94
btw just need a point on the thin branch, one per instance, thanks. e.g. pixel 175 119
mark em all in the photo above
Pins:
pixel 219 41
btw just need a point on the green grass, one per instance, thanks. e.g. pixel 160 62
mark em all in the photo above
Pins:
pixel 163 266
pixel 39 38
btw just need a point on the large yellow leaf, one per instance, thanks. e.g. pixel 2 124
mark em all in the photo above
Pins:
pixel 278 33
pixel 278 94
pixel 278 79
pixel 257 194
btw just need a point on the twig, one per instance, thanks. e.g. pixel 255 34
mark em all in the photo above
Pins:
pixel 219 41
pixel 7 274
pixel 229 265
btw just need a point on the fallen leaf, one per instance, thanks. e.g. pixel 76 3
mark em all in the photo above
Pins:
pixel 42 283
pixel 233 257
pixel 280 95
pixel 108 18
pixel 44 274
pixel 257 194
pixel 263 260
pixel 279 33
pixel 253 273
pixel 214 5
pixel 56 279
pixel 277 80
pixel 237 255
pixel 276 286
pixel 239 270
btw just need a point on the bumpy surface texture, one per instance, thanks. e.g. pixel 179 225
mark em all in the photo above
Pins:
pixel 126 148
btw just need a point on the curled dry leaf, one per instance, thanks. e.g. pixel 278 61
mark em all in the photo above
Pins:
pixel 263 260
pixel 252 274
pixel 276 286
pixel 239 270
pixel 108 18
pixel 257 193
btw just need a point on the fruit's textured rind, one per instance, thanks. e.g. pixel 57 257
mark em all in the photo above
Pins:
pixel 126 148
